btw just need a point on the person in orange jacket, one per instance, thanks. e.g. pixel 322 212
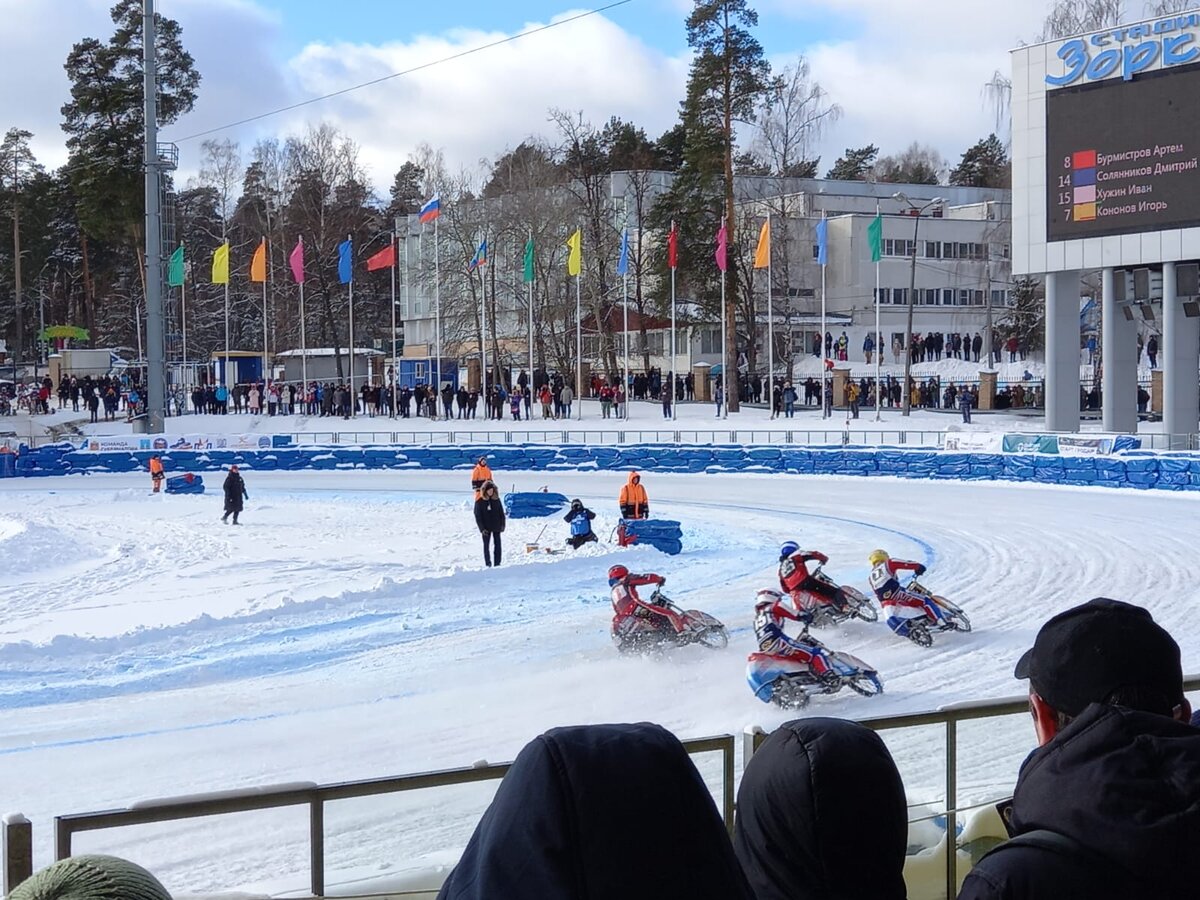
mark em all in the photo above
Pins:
pixel 156 472
pixel 633 500
pixel 480 475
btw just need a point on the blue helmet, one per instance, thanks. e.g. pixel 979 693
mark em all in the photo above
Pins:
pixel 788 549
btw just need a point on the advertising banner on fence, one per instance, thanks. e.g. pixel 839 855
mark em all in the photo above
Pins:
pixel 973 442
pixel 1031 443
pixel 1078 445
pixel 127 442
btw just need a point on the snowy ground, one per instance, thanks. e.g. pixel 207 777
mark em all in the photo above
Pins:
pixel 349 630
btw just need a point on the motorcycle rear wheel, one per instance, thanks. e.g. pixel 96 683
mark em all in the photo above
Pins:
pixel 714 638
pixel 920 636
pixel 865 684
pixel 788 695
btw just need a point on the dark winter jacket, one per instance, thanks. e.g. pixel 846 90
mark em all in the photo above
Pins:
pixel 600 812
pixel 489 514
pixel 822 815
pixel 235 491
pixel 1125 787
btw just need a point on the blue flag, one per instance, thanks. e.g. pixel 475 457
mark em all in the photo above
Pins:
pixel 480 258
pixel 823 241
pixel 623 262
pixel 346 261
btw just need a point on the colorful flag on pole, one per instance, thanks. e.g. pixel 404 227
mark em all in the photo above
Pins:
pixel 875 237
pixel 823 242
pixel 722 248
pixel 346 261
pixel 296 260
pixel 480 258
pixel 575 256
pixel 175 268
pixel 529 261
pixel 431 210
pixel 220 266
pixel 673 246
pixel 384 259
pixel 258 263
pixel 623 259
pixel 762 256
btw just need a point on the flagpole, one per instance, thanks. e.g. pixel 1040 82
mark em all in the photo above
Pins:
pixel 625 376
pixel 183 323
pixel 225 364
pixel 395 363
pixel 529 383
pixel 878 349
pixel 303 345
pixel 483 379
pixel 770 329
pixel 407 235
pixel 353 396
pixel 437 308
pixel 821 337
pixel 579 342
pixel 266 378
pixel 671 372
pixel 724 355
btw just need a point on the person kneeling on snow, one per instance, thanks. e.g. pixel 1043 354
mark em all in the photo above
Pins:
pixel 579 517
pixel 769 613
pixel 805 590
pixel 901 607
pixel 631 612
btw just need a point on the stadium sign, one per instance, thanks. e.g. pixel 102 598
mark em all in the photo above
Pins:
pixel 1129 50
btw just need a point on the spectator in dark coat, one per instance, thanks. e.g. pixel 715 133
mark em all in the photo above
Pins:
pixel 235 492
pixel 560 825
pixel 812 783
pixel 579 517
pixel 964 404
pixel 489 516
pixel 1110 800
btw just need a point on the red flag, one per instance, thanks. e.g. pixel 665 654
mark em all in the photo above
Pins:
pixel 722 248
pixel 673 247
pixel 384 259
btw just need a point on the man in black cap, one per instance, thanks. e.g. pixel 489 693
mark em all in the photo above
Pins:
pixel 1109 803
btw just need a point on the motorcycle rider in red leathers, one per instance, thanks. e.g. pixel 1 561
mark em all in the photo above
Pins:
pixel 806 591
pixel 628 605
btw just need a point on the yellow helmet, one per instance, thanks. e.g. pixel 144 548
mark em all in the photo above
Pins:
pixel 878 556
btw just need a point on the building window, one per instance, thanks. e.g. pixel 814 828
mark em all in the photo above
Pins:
pixel 899 296
pixel 710 340
pixel 893 247
pixel 816 251
pixel 964 298
pixel 948 297
pixel 933 249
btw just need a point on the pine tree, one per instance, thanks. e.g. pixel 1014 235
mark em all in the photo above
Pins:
pixel 985 165
pixel 854 164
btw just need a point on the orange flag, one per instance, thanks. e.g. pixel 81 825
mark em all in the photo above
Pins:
pixel 258 265
pixel 762 256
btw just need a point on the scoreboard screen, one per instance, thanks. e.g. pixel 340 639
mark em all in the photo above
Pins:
pixel 1124 156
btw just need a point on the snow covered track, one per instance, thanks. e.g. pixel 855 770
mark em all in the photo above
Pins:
pixel 349 630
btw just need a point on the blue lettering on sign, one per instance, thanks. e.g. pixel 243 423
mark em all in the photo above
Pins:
pixel 1131 58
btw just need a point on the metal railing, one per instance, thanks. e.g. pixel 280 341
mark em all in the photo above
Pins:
pixel 18 852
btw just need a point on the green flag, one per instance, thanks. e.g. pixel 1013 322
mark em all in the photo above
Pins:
pixel 175 268
pixel 529 260
pixel 875 237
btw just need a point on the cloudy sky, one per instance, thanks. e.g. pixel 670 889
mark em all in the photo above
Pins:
pixel 902 71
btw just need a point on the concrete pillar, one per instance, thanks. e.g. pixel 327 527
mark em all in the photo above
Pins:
pixel 702 385
pixel 1180 358
pixel 1156 391
pixel 1062 351
pixel 987 390
pixel 841 380
pixel 1118 356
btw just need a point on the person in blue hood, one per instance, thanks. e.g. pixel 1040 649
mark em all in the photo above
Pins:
pixel 600 812
pixel 1108 806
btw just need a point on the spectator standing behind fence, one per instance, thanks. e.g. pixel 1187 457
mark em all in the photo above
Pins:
pixel 489 517
pixel 1152 351
pixel 559 827
pixel 964 404
pixel 566 397
pixel 1109 803
pixel 812 783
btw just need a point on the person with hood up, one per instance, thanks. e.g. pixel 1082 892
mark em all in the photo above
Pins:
pixel 1108 806
pixel 564 824
pixel 822 815
pixel 480 474
pixel 91 877
pixel 489 517
pixel 634 502
pixel 579 517
pixel 235 493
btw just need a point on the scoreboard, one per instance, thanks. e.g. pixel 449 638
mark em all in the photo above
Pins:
pixel 1123 156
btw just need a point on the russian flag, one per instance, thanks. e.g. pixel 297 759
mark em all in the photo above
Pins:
pixel 431 210
pixel 480 257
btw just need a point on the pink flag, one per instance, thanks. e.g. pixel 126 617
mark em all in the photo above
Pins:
pixel 296 259
pixel 722 249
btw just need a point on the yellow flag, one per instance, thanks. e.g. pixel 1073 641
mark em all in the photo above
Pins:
pixel 220 268
pixel 762 256
pixel 258 264
pixel 575 257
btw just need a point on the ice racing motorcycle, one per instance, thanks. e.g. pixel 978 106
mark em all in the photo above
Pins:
pixel 789 683
pixel 855 604
pixel 941 615
pixel 650 634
